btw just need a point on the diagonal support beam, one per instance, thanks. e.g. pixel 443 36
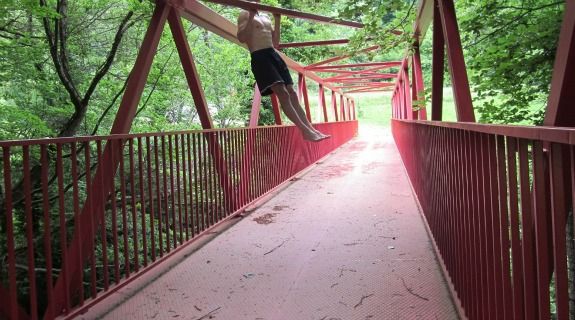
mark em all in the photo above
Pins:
pixel 560 110
pixel 105 173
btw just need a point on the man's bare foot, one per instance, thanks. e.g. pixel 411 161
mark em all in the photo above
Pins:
pixel 315 137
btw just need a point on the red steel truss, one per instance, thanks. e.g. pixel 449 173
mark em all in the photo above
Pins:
pixel 68 290
pixel 496 198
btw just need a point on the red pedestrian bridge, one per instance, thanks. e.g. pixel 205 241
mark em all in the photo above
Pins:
pixel 427 220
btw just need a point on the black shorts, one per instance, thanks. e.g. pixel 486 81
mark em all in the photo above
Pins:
pixel 269 68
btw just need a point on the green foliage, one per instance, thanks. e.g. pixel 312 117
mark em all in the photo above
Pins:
pixel 510 48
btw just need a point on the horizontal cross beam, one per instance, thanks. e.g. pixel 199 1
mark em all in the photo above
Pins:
pixel 357 65
pixel 247 5
pixel 341 57
pixel 369 90
pixel 379 76
pixel 313 43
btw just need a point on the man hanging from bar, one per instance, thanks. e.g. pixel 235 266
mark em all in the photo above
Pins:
pixel 271 72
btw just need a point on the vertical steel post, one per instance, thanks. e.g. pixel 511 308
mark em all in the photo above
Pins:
pixel 303 86
pixel 419 94
pixel 256 104
pixel 334 104
pixel 277 30
pixel 342 107
pixel 459 81
pixel 322 102
pixel 438 62
pixel 276 108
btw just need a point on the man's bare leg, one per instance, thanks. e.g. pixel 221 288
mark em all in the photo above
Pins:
pixel 295 102
pixel 284 97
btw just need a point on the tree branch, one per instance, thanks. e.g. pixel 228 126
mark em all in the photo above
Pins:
pixel 53 40
pixel 105 113
pixel 122 28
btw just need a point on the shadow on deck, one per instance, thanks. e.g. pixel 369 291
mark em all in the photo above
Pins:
pixel 343 241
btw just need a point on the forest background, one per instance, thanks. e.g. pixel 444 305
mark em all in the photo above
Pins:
pixel 64 64
pixel 64 67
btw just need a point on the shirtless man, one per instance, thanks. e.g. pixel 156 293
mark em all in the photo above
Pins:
pixel 271 72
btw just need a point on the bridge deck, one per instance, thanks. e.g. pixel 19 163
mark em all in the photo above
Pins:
pixel 345 241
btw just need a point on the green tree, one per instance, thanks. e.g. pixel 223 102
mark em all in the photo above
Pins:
pixel 510 49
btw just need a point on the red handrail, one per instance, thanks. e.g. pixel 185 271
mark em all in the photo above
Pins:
pixel 496 200
pixel 165 194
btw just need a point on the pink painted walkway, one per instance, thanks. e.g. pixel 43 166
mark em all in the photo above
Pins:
pixel 345 241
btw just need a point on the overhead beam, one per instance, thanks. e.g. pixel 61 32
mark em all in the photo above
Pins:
pixel 208 19
pixel 356 65
pixel 341 57
pixel 312 43
pixel 372 84
pixel 247 5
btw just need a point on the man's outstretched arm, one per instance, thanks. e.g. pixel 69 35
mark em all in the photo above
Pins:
pixel 245 20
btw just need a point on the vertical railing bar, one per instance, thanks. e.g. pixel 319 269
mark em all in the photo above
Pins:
pixel 197 198
pixel 44 161
pixel 160 204
pixel 206 191
pixel 212 176
pixel 143 206
pixel 559 221
pixel 133 206
pixel 124 210
pixel 9 214
pixel 103 224
pixel 496 226
pixel 178 187
pixel 151 194
pixel 542 223
pixel 504 229
pixel 459 209
pixel 529 285
pixel 185 185
pixel 77 225
pixel 113 143
pixel 470 275
pixel 165 213
pixel 517 263
pixel 191 184
pixel 29 233
pixel 174 224
pixel 482 305
pixel 92 231
pixel 488 226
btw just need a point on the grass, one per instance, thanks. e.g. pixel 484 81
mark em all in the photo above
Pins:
pixel 375 107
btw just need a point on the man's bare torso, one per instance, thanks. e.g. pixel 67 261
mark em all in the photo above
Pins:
pixel 260 36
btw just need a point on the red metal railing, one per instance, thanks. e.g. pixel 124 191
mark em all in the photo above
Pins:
pixel 169 189
pixel 498 201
